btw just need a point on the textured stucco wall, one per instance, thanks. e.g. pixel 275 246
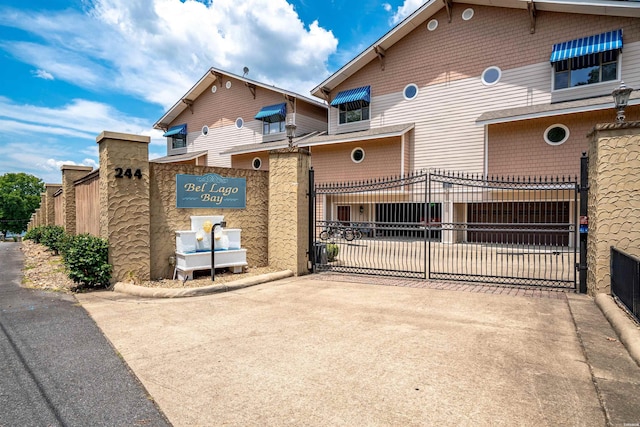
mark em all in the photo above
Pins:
pixel 70 174
pixel 288 209
pixel 166 219
pixel 124 204
pixel 614 199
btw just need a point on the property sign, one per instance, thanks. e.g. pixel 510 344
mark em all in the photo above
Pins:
pixel 210 191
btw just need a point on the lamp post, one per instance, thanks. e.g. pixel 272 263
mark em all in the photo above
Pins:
pixel 291 132
pixel 621 98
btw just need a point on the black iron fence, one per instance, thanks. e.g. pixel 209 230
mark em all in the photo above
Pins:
pixel 625 280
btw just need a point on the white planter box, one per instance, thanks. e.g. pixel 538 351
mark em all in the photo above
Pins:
pixel 186 264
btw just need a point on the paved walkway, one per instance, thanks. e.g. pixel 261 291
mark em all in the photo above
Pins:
pixel 318 350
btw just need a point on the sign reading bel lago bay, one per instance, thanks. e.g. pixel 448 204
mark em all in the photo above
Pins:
pixel 210 191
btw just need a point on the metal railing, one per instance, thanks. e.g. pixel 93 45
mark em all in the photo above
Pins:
pixel 625 280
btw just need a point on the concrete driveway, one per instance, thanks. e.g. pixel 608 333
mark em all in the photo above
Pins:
pixel 306 351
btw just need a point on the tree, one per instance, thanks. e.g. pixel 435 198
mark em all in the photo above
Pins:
pixel 19 199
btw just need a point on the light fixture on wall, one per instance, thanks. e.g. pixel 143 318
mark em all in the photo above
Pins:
pixel 361 209
pixel 621 98
pixel 291 132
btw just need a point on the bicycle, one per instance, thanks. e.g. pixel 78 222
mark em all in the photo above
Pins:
pixel 335 230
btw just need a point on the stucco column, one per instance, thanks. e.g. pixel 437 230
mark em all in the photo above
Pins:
pixel 289 209
pixel 50 205
pixel 124 203
pixel 70 174
pixel 614 199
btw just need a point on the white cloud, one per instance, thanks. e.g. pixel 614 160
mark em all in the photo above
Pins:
pixel 407 8
pixel 387 7
pixel 43 74
pixel 157 49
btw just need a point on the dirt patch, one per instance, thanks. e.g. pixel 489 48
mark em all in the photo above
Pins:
pixel 44 270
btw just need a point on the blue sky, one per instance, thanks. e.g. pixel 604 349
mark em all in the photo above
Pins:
pixel 73 68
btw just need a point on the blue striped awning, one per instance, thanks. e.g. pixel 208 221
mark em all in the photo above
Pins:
pixel 272 113
pixel 175 130
pixel 593 44
pixel 352 95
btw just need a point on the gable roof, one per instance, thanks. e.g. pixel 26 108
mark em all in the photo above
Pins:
pixel 628 8
pixel 211 76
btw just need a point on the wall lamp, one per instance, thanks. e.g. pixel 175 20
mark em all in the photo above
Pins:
pixel 621 98
pixel 291 132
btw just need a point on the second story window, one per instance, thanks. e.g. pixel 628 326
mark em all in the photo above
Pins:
pixel 273 118
pixel 353 104
pixel 586 61
pixel 586 70
pixel 178 141
pixel 178 135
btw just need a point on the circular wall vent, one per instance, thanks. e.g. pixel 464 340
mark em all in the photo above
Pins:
pixel 467 14
pixel 432 25
pixel 556 134
pixel 228 85
pixel 256 163
pixel 214 88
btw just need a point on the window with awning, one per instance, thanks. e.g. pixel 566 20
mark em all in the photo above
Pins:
pixel 586 60
pixel 353 104
pixel 273 118
pixel 178 135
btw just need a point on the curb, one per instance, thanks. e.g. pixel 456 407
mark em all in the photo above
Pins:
pixel 145 292
pixel 626 329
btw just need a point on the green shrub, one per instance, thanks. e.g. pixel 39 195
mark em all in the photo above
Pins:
pixel 34 234
pixel 86 257
pixel 332 252
pixel 54 237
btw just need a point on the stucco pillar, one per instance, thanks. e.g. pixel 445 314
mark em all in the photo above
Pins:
pixel 50 190
pixel 289 209
pixel 70 174
pixel 614 199
pixel 124 203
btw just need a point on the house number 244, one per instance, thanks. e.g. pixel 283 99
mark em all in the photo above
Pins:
pixel 121 173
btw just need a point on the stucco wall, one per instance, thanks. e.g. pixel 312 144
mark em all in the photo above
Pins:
pixel 614 199
pixel 166 219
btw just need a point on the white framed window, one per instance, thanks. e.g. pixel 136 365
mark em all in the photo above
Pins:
pixel 410 91
pixel 357 155
pixel 273 127
pixel 491 75
pixel 178 141
pixel 357 111
pixel 556 134
pixel 256 163
pixel 586 70
pixel 239 123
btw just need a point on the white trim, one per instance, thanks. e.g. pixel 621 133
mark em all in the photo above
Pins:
pixel 557 125
pixel 402 154
pixel 541 114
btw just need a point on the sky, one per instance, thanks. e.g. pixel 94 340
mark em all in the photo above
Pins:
pixel 73 68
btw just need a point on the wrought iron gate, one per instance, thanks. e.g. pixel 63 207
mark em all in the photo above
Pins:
pixel 511 231
pixel 448 226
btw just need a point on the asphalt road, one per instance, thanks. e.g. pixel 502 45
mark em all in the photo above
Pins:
pixel 57 368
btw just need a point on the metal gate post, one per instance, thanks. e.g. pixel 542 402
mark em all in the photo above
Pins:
pixel 584 221
pixel 312 221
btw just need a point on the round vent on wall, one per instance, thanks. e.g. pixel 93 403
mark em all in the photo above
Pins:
pixel 256 163
pixel 467 14
pixel 432 25
pixel 357 155
pixel 410 91
pixel 205 130
pixel 239 123
pixel 556 134
pixel 491 76
pixel 214 88
pixel 228 85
